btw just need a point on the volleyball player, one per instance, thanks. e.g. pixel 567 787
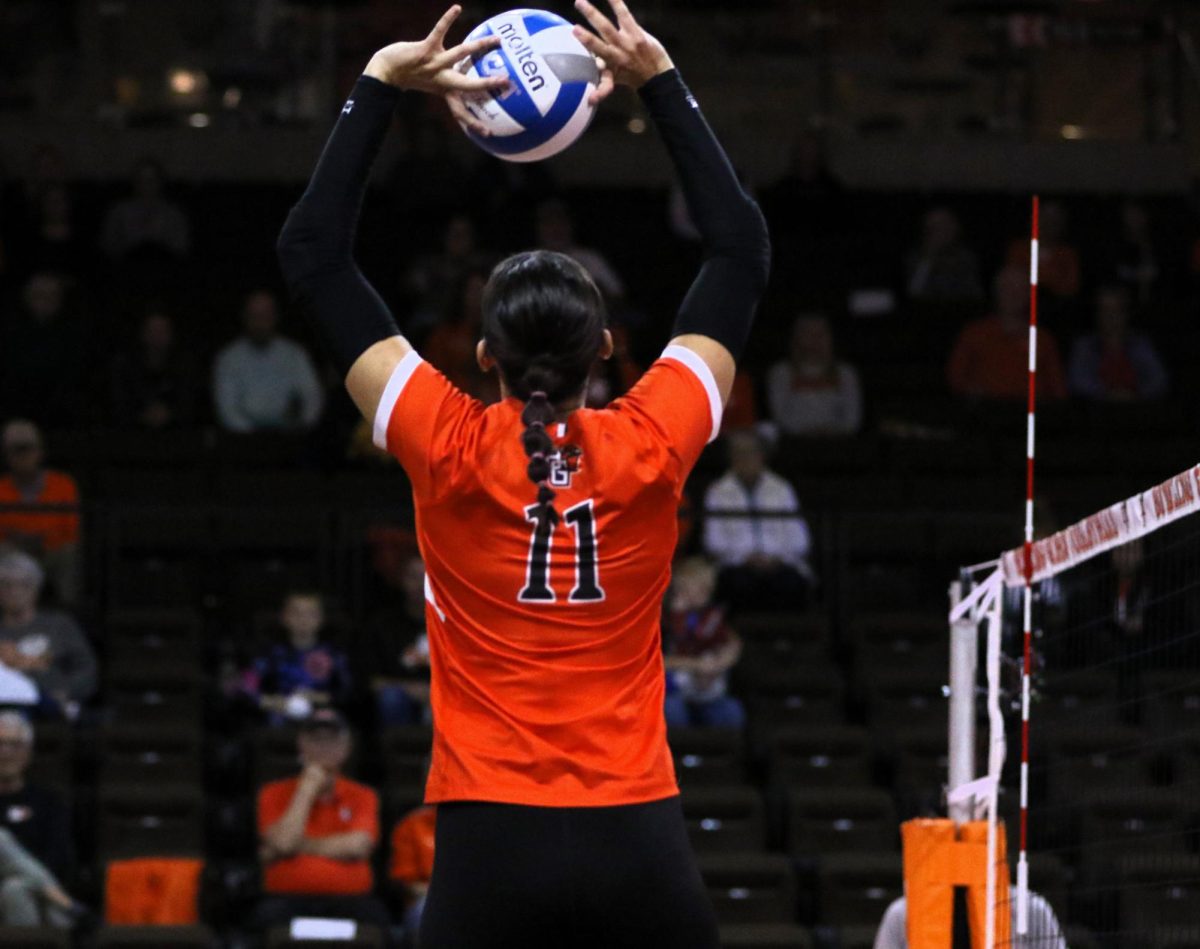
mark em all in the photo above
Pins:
pixel 547 530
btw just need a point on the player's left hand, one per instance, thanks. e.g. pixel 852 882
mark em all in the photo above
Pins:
pixel 427 66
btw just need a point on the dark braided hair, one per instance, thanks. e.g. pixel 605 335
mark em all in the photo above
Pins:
pixel 543 322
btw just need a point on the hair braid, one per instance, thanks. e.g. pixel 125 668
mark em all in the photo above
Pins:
pixel 539 446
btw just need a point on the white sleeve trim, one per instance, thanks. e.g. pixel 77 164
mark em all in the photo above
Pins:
pixel 692 360
pixel 391 395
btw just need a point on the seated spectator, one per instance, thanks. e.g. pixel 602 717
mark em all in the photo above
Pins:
pixel 46 646
pixel 942 269
pixel 42 348
pixel 741 411
pixel 763 556
pixel 812 393
pixel 52 536
pixel 398 651
pixel 36 851
pixel 556 232
pixel 317 835
pixel 990 360
pixel 433 280
pixel 302 673
pixel 262 380
pixel 154 384
pixel 412 864
pixel 54 242
pixel 1059 270
pixel 1135 259
pixel 1116 364
pixel 700 651
pixel 147 219
pixel 451 345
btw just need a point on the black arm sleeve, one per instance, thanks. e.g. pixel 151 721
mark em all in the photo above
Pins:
pixel 737 248
pixel 316 246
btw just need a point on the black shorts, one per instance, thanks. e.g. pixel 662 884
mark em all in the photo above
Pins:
pixel 507 875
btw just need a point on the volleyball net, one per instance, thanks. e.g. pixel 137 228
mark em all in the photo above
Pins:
pixel 1083 750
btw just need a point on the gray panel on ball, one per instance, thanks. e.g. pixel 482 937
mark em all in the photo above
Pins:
pixel 572 67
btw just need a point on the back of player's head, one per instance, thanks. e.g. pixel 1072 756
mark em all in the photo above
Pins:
pixel 543 323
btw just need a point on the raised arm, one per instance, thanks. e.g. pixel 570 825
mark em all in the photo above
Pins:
pixel 716 315
pixel 316 246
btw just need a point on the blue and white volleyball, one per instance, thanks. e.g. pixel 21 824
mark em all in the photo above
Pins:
pixel 552 74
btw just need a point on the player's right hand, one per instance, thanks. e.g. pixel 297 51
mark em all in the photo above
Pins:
pixel 634 56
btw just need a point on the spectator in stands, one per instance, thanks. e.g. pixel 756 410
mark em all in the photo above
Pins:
pixel 42 349
pixel 147 219
pixel 36 850
pixel 52 535
pixel 46 646
pixel 753 528
pixel 990 360
pixel 434 280
pixel 943 268
pixel 700 650
pixel 1059 270
pixel 54 242
pixel 1135 258
pixel 556 231
pixel 1116 364
pixel 154 384
pixel 412 864
pixel 317 835
pixel 302 673
pixel 262 380
pixel 398 652
pixel 451 345
pixel 811 392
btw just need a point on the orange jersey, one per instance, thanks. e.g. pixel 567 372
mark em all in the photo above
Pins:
pixel 545 643
pixel 55 529
pixel 412 847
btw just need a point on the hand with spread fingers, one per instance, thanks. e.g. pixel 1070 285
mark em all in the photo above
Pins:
pixel 633 55
pixel 427 66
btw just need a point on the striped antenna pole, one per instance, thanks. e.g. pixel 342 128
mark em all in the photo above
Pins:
pixel 1027 666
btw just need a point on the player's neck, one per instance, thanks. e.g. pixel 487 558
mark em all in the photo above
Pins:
pixel 560 411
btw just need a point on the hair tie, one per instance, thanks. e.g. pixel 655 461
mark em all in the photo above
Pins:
pixel 538 395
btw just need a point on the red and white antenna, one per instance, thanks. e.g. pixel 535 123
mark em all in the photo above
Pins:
pixel 1027 666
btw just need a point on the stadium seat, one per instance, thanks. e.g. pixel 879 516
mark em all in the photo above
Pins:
pixel 137 692
pixel 1172 701
pixel 750 888
pixel 820 756
pixel 168 636
pixel 148 486
pixel 922 762
pixel 765 936
pixel 405 751
pixel 1095 759
pixel 898 640
pixel 1082 696
pixel 907 697
pixel 1158 890
pixel 282 488
pixel 708 756
pixel 53 757
pixel 1117 823
pixel 150 753
pixel 725 819
pixel 854 888
pixel 155 937
pixel 837 820
pixel 779 697
pixel 156 821
pixel 366 937
pixel 28 937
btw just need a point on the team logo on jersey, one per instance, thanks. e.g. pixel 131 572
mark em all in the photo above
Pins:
pixel 564 465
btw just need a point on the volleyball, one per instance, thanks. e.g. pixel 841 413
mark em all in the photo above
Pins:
pixel 546 108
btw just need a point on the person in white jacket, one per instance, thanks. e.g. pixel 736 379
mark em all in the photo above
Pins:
pixel 754 529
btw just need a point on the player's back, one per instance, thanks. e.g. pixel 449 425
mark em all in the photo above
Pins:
pixel 548 681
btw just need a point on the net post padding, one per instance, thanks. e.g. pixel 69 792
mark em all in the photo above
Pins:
pixel 1114 526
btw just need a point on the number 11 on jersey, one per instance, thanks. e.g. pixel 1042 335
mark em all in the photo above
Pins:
pixel 581 520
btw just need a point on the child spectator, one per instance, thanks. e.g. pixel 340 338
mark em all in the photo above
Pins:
pixel 46 646
pixel 753 528
pixel 317 834
pixel 811 392
pixel 700 651
pixel 1116 364
pixel 397 651
pixel 146 219
pixel 412 863
pixel 303 672
pixel 52 534
pixel 264 381
pixel 990 360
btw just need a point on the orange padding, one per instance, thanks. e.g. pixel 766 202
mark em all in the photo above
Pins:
pixel 153 892
pixel 938 856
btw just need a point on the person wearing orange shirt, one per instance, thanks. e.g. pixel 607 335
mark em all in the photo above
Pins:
pixel 547 528
pixel 317 833
pixel 412 863
pixel 990 360
pixel 50 534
